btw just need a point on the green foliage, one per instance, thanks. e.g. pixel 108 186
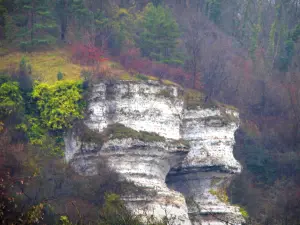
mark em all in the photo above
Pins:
pixel 59 104
pixel 24 66
pixel 36 133
pixel 288 50
pixel 213 10
pixel 10 98
pixel 3 12
pixel 256 30
pixel 80 13
pixel 119 131
pixel 114 212
pixel 81 18
pixel 115 131
pixel 295 34
pixel 35 214
pixel 9 28
pixel 60 75
pixel 286 55
pixel 157 2
pixel 122 27
pixel 259 161
pixel 142 77
pixel 271 47
pixel 220 194
pixel 4 78
pixel 64 220
pixel 244 212
pixel 158 39
pixel 37 23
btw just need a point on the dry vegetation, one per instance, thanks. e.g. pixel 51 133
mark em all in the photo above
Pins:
pixel 46 64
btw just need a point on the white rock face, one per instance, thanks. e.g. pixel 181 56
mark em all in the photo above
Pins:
pixel 147 165
pixel 199 172
pixel 207 170
pixel 144 164
pixel 146 106
pixel 211 136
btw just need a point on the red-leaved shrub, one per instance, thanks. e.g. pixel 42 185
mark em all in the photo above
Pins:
pixel 87 55
pixel 132 60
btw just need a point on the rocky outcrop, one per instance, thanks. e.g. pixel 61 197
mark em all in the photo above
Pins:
pixel 146 106
pixel 206 171
pixel 196 174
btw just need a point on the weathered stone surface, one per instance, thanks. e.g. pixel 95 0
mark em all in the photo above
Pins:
pixel 195 174
pixel 146 106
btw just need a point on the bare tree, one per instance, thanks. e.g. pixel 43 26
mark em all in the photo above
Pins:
pixel 207 50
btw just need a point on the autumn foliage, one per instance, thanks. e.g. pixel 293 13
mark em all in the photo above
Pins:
pixel 87 55
pixel 132 61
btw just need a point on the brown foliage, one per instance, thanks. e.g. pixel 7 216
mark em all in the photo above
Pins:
pixel 132 61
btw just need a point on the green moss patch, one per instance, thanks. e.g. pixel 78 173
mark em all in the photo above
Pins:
pixel 119 131
pixel 115 131
pixel 142 77
pixel 243 212
pixel 220 194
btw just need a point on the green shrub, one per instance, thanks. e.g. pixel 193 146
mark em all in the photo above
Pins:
pixel 115 212
pixel 36 132
pixel 244 212
pixel 10 98
pixel 24 66
pixel 64 220
pixel 59 104
pixel 60 75
pixel 142 77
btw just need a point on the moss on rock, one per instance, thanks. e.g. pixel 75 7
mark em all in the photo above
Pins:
pixel 119 131
pixel 220 194
pixel 114 131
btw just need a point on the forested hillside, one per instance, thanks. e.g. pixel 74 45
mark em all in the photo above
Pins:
pixel 240 52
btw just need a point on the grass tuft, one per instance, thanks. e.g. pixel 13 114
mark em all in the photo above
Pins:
pixel 243 212
pixel 220 194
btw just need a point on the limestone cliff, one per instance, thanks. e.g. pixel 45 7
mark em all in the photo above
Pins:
pixel 161 137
